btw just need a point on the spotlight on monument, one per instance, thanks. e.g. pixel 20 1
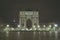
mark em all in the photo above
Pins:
pixel 7 25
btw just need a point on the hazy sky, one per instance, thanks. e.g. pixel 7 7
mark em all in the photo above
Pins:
pixel 49 9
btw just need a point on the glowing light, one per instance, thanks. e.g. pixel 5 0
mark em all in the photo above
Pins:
pixel 7 25
pixel 38 26
pixel 6 29
pixel 50 26
pixel 18 25
pixel 44 26
pixel 22 29
pixel 26 28
pixel 12 28
pixel 34 26
pixel 55 25
pixel 31 29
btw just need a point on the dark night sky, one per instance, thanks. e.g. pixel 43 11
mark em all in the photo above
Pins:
pixel 49 9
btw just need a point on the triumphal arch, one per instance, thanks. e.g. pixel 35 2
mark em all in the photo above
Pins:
pixel 28 18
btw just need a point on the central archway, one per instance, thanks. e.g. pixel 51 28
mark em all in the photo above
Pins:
pixel 28 23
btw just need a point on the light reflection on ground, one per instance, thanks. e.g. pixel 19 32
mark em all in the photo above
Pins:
pixel 30 35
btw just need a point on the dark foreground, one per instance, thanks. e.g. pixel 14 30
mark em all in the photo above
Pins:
pixel 30 35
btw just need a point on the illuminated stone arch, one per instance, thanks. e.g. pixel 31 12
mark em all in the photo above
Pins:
pixel 33 16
